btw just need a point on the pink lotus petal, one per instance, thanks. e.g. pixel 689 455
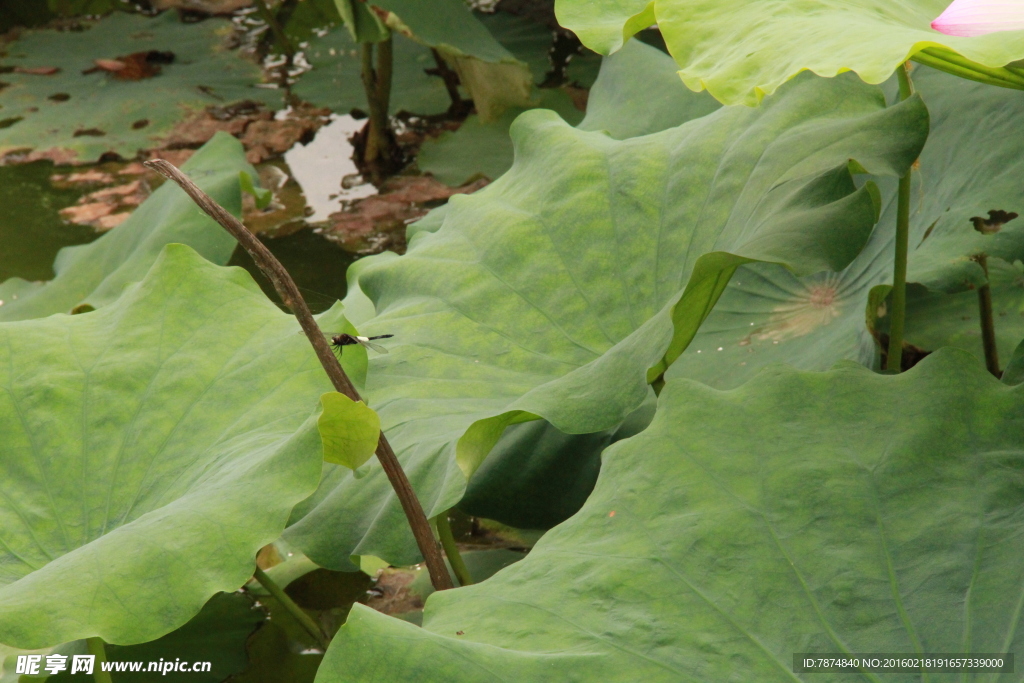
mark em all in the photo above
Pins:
pixel 978 17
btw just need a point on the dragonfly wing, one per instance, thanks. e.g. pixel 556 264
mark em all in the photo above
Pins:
pixel 376 347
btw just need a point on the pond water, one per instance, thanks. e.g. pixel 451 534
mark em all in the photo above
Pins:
pixel 32 232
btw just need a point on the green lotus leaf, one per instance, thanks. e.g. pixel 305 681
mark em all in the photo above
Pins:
pixel 349 430
pixel 150 448
pixel 480 148
pixel 95 274
pixel 637 93
pixel 971 165
pixel 744 526
pixel 605 25
pixel 335 81
pixel 742 50
pixel 562 289
pixel 77 117
pixel 218 635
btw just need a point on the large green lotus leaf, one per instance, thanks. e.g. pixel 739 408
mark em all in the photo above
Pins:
pixel 103 114
pixel 742 50
pixel 637 93
pixel 554 291
pixel 150 449
pixel 604 25
pixel 971 164
pixel 335 80
pixel 830 512
pixel 95 274
pixel 482 148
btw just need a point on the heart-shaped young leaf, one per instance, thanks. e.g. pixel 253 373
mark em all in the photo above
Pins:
pixel 970 166
pixel 554 291
pixel 742 50
pixel 349 430
pixel 93 275
pixel 73 116
pixel 831 512
pixel 150 449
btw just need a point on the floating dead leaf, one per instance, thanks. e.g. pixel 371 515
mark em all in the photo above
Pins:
pixel 37 70
pixel 86 214
pixel 93 176
pixel 377 223
pixel 109 65
pixel 133 67
pixel 108 207
pixel 204 6
pixel 994 223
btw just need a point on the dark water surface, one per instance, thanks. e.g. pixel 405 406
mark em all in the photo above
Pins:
pixel 32 232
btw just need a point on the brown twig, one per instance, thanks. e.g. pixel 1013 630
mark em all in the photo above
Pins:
pixel 289 294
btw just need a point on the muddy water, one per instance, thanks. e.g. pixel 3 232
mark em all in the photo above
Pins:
pixel 32 231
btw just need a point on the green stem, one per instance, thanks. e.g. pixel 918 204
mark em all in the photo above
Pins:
pixel 444 532
pixel 899 278
pixel 268 16
pixel 988 326
pixel 293 609
pixel 377 84
pixel 97 648
pixel 964 68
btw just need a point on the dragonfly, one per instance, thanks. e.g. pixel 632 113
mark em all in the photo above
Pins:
pixel 340 340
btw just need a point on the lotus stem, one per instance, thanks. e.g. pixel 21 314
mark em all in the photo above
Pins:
pixel 956 65
pixel 377 84
pixel 291 297
pixel 444 532
pixel 99 650
pixel 988 326
pixel 268 16
pixel 894 359
pixel 293 609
